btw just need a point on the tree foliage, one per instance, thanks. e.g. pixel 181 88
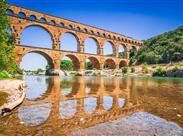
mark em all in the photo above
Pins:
pixel 66 65
pixel 163 48
pixel 7 61
pixel 89 65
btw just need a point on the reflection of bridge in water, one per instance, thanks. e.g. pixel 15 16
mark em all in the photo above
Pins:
pixel 57 117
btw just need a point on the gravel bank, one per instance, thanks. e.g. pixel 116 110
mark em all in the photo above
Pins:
pixel 138 124
pixel 16 94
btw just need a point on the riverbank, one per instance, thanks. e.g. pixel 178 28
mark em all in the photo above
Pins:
pixel 15 89
pixel 161 70
pixel 3 98
pixel 139 123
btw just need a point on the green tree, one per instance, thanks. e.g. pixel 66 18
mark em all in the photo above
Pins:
pixel 163 48
pixel 132 70
pixel 39 70
pixel 66 65
pixel 121 54
pixel 7 61
pixel 145 68
pixel 89 65
pixel 124 70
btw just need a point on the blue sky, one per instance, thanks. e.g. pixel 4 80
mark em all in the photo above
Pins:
pixel 136 18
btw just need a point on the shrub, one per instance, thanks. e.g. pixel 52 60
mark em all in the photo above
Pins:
pixel 145 68
pixel 124 70
pixel 175 72
pixel 4 74
pixel 132 70
pixel 160 71
pixel 75 74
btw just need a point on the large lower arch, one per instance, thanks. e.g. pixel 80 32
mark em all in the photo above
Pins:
pixel 123 63
pixel 95 62
pixel 48 58
pixel 109 64
pixel 75 61
pixel 69 42
pixel 36 36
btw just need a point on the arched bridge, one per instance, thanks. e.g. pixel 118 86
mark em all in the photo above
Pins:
pixel 22 18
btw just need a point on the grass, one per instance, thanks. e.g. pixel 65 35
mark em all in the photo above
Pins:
pixel 3 98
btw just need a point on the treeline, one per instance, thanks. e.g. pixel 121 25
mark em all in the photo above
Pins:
pixel 7 62
pixel 164 48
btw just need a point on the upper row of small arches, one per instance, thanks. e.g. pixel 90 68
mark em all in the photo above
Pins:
pixel 78 29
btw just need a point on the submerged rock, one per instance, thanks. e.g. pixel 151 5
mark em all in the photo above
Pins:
pixel 138 124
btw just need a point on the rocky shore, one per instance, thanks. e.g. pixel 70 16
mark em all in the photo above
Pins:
pixel 138 124
pixel 16 94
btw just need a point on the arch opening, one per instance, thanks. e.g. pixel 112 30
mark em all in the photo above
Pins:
pixel 61 25
pixel 9 12
pixel 41 63
pixel 69 42
pixel 122 51
pixel 43 20
pixel 122 64
pixel 36 36
pixel 92 63
pixel 108 49
pixel 109 64
pixel 70 62
pixel 52 22
pixel 133 53
pixel 21 15
pixel 91 45
pixel 32 18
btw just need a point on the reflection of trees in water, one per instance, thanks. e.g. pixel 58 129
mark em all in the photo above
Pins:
pixel 39 79
pixel 70 85
pixel 66 85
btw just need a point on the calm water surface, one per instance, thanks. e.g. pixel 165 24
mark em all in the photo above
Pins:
pixel 59 106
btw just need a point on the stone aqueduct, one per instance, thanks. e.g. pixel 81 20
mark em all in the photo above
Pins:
pixel 22 18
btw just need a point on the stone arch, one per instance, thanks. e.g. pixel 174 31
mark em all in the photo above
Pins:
pixel 122 51
pixel 43 20
pixel 9 12
pixel 123 63
pixel 109 64
pixel 113 49
pixel 133 50
pixel 92 39
pixel 70 27
pixel 52 22
pixel 61 24
pixel 32 18
pixel 134 47
pixel 22 15
pixel 95 62
pixel 47 56
pixel 75 37
pixel 75 61
pixel 78 29
pixel 42 27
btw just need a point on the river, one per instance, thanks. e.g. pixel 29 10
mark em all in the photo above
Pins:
pixel 98 106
